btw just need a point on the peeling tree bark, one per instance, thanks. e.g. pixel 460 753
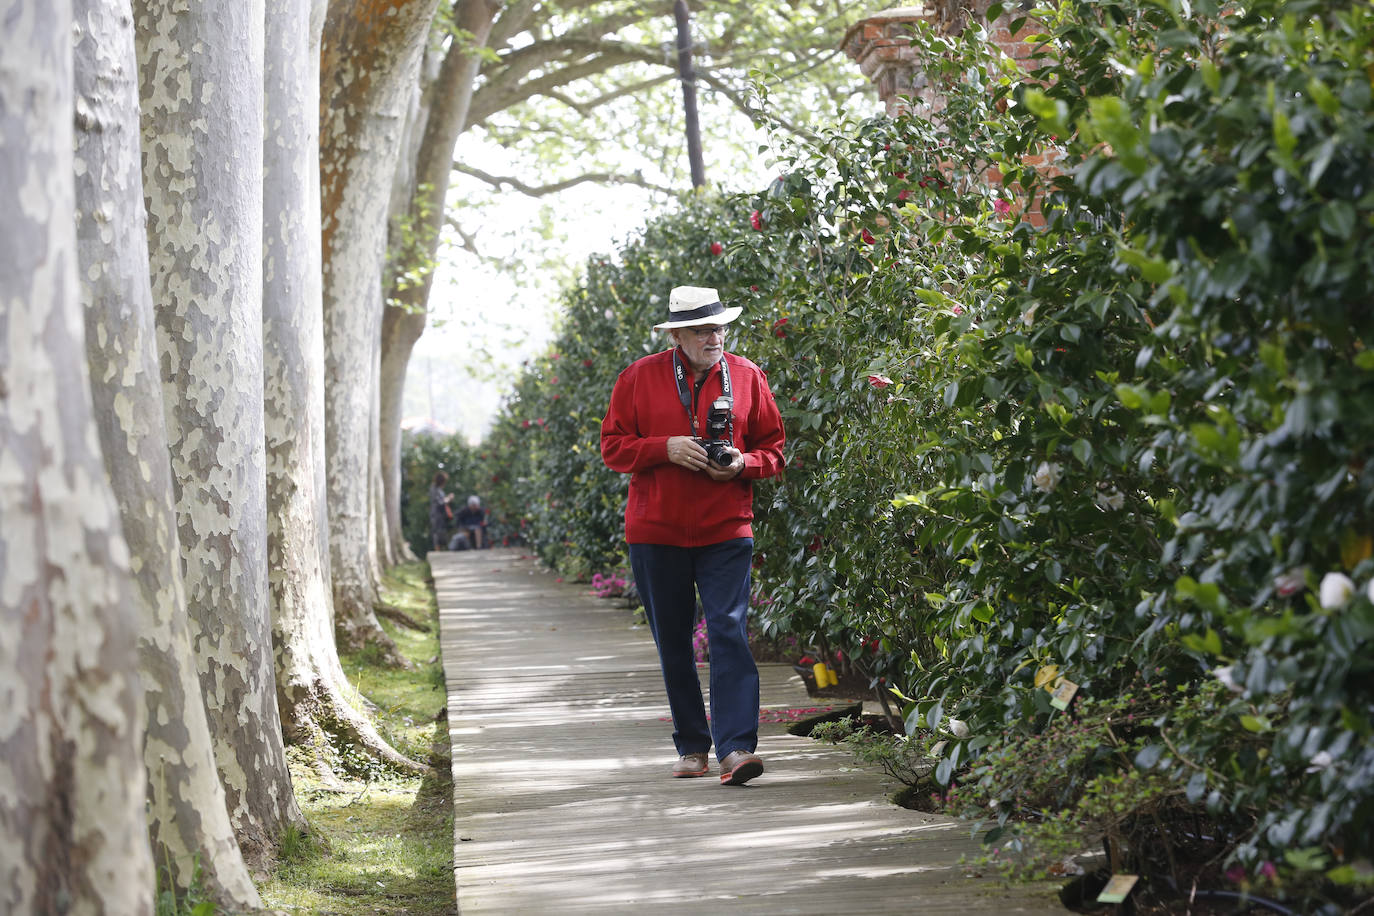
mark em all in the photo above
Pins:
pixel 309 675
pixel 422 212
pixel 72 832
pixel 370 61
pixel 201 82
pixel 187 817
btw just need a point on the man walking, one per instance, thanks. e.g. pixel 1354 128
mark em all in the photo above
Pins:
pixel 695 425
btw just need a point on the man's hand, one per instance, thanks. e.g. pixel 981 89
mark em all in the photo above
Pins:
pixel 684 451
pixel 731 470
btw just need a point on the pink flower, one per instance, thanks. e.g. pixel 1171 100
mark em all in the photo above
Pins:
pixel 1268 871
pixel 1235 874
pixel 756 220
pixel 958 310
pixel 1001 206
pixel 879 381
pixel 525 424
pixel 1290 583
pixel 717 248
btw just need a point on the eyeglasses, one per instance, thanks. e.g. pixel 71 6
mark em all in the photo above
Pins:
pixel 705 333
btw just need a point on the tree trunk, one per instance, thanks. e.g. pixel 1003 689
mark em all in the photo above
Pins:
pixel 72 832
pixel 187 817
pixel 422 226
pixel 371 55
pixel 201 71
pixel 310 678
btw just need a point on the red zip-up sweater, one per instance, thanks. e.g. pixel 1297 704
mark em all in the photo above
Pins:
pixel 670 504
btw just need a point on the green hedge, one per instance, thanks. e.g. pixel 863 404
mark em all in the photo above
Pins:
pixel 1126 445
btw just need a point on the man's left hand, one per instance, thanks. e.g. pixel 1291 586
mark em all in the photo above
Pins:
pixel 729 471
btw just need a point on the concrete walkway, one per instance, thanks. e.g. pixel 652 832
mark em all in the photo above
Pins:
pixel 561 752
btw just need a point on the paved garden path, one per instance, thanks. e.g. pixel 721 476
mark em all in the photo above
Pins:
pixel 561 751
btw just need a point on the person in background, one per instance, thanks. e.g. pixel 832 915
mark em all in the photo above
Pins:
pixel 440 512
pixel 694 426
pixel 472 521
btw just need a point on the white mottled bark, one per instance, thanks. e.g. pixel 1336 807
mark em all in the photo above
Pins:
pixel 187 817
pixel 309 674
pixel 72 832
pixel 371 55
pixel 201 81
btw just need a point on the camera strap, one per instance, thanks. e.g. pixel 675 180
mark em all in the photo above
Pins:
pixel 684 392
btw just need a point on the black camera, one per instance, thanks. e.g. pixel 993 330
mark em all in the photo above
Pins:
pixel 717 439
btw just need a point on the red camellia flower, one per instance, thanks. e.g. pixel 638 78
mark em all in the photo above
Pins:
pixel 904 193
pixel 554 380
pixel 815 545
pixel 1001 206
pixel 756 220
pixel 586 363
pixel 867 237
pixel 778 328
pixel 753 289
pixel 879 381
pixel 525 424
pixel 717 248
pixel 899 175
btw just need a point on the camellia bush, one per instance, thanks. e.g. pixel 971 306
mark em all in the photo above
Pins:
pixel 1079 391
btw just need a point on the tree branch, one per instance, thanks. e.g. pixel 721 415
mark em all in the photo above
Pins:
pixel 608 178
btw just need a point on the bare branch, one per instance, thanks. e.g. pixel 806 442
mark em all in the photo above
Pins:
pixel 585 108
pixel 607 178
pixel 494 97
pixel 469 241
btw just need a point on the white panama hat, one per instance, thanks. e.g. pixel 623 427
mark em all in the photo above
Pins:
pixel 695 305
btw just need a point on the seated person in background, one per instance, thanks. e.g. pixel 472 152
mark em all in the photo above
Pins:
pixel 472 521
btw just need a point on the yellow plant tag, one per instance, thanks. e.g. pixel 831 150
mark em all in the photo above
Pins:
pixel 1063 694
pixel 1117 889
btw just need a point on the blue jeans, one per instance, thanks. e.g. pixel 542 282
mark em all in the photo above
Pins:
pixel 669 579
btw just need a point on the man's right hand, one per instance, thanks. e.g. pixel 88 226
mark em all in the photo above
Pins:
pixel 684 451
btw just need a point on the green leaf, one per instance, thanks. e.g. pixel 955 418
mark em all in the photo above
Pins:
pixel 1283 134
pixel 1148 756
pixel 1131 396
pixel 1083 451
pixel 1310 858
pixel 1154 270
pixel 1337 219
pixel 1365 359
pixel 1255 724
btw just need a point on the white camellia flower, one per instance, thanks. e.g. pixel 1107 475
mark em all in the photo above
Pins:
pixel 1336 591
pixel 958 727
pixel 1320 761
pixel 1227 677
pixel 609 314
pixel 1112 499
pixel 1047 476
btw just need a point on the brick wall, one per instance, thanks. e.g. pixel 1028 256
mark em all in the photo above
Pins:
pixel 881 46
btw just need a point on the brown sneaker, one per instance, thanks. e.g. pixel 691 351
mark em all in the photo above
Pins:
pixel 691 765
pixel 739 767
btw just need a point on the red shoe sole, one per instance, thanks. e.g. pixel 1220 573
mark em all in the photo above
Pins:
pixel 742 773
pixel 690 773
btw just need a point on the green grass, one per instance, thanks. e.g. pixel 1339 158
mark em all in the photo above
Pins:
pixel 380 846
